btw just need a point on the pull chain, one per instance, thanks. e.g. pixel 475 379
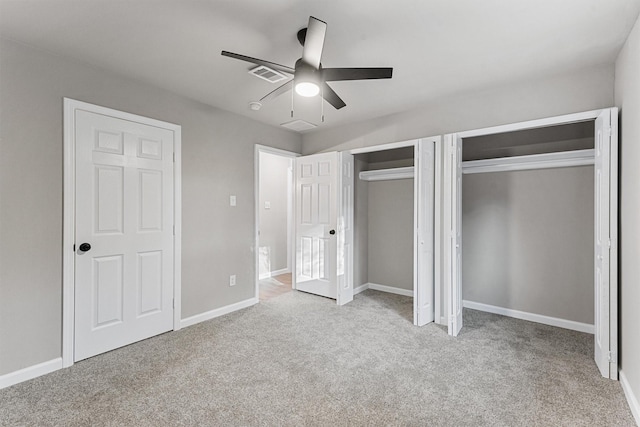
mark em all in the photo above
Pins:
pixel 322 102
pixel 292 90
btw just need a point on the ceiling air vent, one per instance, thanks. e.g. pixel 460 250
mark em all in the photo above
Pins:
pixel 266 73
pixel 298 125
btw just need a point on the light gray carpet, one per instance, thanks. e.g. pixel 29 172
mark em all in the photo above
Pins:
pixel 300 360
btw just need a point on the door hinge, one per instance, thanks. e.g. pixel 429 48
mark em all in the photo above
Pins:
pixel 452 319
pixel 612 357
pixel 74 247
pixel 174 157
pixel 174 303
pixel 174 229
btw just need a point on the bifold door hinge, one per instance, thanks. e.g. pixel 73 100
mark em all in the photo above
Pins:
pixel 612 357
pixel 174 229
pixel 452 318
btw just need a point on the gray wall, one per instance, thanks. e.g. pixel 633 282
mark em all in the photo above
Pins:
pixel 528 241
pixel 581 90
pixel 217 150
pixel 391 233
pixel 273 221
pixel 627 94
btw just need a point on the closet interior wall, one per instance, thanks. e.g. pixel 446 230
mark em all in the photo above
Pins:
pixel 528 235
pixel 383 222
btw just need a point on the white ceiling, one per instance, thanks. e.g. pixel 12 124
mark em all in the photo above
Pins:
pixel 436 47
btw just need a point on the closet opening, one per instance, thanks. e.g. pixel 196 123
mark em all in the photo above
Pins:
pixel 527 224
pixel 384 224
pixel 530 227
pixel 393 222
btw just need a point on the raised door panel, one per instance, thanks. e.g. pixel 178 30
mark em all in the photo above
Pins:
pixel 108 290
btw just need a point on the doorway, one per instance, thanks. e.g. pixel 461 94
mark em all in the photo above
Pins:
pixel 121 236
pixel 274 221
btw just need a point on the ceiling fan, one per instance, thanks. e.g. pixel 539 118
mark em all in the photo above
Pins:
pixel 309 77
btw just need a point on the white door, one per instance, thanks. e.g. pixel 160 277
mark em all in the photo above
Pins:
pixel 605 233
pixel 124 211
pixel 423 311
pixel 318 200
pixel 452 213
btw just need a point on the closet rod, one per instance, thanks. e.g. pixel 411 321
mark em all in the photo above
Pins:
pixel 561 159
pixel 387 174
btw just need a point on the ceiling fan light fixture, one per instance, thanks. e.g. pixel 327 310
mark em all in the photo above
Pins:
pixel 308 89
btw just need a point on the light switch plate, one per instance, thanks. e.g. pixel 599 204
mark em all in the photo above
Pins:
pixel 267 205
pixel 232 200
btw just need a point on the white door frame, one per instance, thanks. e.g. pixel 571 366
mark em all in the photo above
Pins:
pixel 290 211
pixel 540 123
pixel 418 269
pixel 69 203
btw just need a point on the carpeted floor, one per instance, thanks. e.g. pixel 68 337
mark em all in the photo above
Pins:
pixel 300 360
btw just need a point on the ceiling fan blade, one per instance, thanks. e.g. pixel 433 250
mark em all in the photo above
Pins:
pixel 331 97
pixel 314 42
pixel 278 91
pixel 337 74
pixel 257 61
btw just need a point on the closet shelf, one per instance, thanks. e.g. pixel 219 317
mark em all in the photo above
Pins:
pixel 387 174
pixel 535 161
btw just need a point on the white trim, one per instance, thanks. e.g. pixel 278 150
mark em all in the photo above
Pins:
pixel 30 372
pixel 390 289
pixel 388 174
pixel 177 223
pixel 634 404
pixel 536 161
pixel 270 274
pixel 533 124
pixel 212 314
pixel 531 317
pixel 281 271
pixel 383 147
pixel 69 202
pixel 360 288
pixel 256 219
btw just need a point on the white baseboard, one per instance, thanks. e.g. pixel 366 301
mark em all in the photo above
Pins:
pixel 30 372
pixel 279 272
pixel 390 289
pixel 532 317
pixel 634 404
pixel 212 314
pixel 360 288
pixel 274 273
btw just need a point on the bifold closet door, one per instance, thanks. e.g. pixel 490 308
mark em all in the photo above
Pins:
pixel 424 178
pixel 452 215
pixel 605 236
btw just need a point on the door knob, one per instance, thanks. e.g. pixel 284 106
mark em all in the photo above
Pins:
pixel 332 232
pixel 85 247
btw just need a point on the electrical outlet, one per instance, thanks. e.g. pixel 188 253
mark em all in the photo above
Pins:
pixel 232 200
pixel 232 280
